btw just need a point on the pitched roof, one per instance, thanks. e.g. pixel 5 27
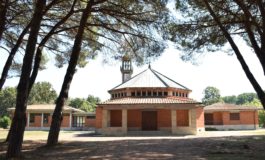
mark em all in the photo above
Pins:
pixel 50 107
pixel 148 100
pixel 227 107
pixel 150 78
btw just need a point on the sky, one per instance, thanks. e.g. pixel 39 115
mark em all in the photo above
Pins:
pixel 217 69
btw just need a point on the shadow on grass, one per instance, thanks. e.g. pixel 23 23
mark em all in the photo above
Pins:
pixel 250 148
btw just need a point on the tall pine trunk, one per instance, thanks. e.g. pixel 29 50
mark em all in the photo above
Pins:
pixel 3 9
pixel 16 47
pixel 251 78
pixel 57 114
pixel 19 119
pixel 38 56
pixel 11 56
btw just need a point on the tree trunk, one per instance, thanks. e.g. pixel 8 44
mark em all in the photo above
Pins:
pixel 19 119
pixel 11 56
pixel 16 47
pixel 3 10
pixel 240 58
pixel 57 114
pixel 43 42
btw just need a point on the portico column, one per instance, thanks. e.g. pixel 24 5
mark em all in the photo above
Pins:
pixel 193 121
pixel 173 120
pixel 70 120
pixel 28 118
pixel 124 120
pixel 41 120
pixel 104 118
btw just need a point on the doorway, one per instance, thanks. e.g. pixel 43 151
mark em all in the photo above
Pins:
pixel 149 120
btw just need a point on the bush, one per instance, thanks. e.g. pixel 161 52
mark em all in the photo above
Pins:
pixel 5 122
pixel 262 118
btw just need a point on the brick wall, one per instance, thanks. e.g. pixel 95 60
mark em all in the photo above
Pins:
pixel 200 117
pixel 37 120
pixel 246 117
pixel 249 117
pixel 89 122
pixel 115 118
pixel 182 117
pixel 163 118
pixel 66 120
pixel 217 118
pixel 99 117
pixel 134 118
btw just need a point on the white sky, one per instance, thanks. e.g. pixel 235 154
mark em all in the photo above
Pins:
pixel 216 69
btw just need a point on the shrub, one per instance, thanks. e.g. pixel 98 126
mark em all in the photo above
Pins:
pixel 5 122
pixel 262 118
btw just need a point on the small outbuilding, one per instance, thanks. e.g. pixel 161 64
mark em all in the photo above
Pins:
pixel 222 116
pixel 39 117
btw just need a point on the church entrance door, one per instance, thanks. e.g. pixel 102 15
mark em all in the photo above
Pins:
pixel 149 120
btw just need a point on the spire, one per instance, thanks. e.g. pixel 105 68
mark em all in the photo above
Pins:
pixel 149 65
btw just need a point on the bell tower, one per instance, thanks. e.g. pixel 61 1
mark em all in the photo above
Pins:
pixel 126 68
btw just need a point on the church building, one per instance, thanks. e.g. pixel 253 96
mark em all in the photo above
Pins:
pixel 148 101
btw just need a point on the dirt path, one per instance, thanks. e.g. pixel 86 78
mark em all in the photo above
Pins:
pixel 230 145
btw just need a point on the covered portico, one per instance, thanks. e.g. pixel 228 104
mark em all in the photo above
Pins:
pixel 168 118
pixel 149 101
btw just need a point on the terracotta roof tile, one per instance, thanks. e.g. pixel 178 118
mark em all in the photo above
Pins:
pixel 225 106
pixel 147 100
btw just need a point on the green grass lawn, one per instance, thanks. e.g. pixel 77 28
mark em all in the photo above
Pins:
pixel 27 134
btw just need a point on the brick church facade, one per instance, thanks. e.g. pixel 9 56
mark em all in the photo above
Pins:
pixel 149 101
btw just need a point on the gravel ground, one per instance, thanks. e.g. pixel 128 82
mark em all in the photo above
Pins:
pixel 232 145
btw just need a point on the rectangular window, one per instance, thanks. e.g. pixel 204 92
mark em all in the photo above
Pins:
pixel 234 116
pixel 125 94
pixel 122 94
pixel 138 93
pixel 154 93
pixel 177 94
pixel 165 93
pixel 159 93
pixel 32 118
pixel 143 93
pixel 133 94
pixel 46 118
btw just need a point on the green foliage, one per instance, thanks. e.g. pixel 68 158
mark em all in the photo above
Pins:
pixel 88 105
pixel 5 121
pixel 211 95
pixel 7 99
pixel 262 118
pixel 246 98
pixel 230 99
pixel 42 93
